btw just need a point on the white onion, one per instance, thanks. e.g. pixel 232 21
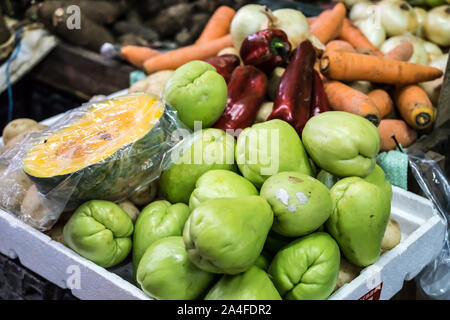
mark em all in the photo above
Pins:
pixel 433 88
pixel 437 25
pixel 373 30
pixel 419 55
pixel 351 3
pixel 247 20
pixel 433 50
pixel 397 17
pixel 362 10
pixel 293 23
pixel 421 16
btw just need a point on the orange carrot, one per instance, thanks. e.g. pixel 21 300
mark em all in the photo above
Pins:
pixel 382 100
pixel 414 106
pixel 137 55
pixel 218 25
pixel 354 36
pixel 347 66
pixel 339 45
pixel 344 98
pixel 402 52
pixel 311 20
pixel 176 58
pixel 328 23
pixel 404 134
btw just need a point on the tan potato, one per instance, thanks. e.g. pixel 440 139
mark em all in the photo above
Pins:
pixel 153 84
pixel 15 127
pixel 13 187
pixel 56 233
pixel 392 235
pixel 274 81
pixel 130 209
pixel 15 140
pixel 145 195
pixel 264 111
pixel 33 205
pixel 347 272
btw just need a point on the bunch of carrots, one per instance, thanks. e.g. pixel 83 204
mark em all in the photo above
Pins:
pixel 349 56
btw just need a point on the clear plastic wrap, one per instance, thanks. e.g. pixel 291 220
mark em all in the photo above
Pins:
pixel 101 150
pixel 434 279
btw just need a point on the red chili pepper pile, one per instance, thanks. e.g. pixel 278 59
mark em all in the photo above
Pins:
pixel 300 93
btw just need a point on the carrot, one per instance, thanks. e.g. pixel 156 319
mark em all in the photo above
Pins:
pixel 404 134
pixel 347 66
pixel 354 36
pixel 414 106
pixel 218 25
pixel 339 45
pixel 176 58
pixel 311 20
pixel 137 55
pixel 402 52
pixel 382 100
pixel 344 98
pixel 328 23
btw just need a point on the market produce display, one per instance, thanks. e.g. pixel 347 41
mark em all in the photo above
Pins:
pixel 278 194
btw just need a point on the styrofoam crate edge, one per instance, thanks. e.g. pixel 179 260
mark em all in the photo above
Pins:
pixel 20 240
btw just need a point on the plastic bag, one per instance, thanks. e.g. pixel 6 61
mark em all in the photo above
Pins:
pixel 434 279
pixel 101 150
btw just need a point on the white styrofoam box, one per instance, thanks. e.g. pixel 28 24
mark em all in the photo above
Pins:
pixel 422 238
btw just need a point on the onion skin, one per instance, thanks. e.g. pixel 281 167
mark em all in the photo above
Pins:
pixel 433 88
pixel 437 25
pixel 397 17
pixel 421 17
pixel 294 23
pixel 373 30
pixel 362 10
pixel 419 56
pixel 247 20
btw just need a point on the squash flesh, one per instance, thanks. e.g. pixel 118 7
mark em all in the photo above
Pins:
pixel 99 133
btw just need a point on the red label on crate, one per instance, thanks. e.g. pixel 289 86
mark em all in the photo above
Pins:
pixel 373 294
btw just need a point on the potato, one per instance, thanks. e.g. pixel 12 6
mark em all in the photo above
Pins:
pixel 13 187
pixel 15 140
pixel 130 209
pixel 347 272
pixel 15 127
pixel 145 195
pixel 392 235
pixel 34 211
pixel 56 232
pixel 153 84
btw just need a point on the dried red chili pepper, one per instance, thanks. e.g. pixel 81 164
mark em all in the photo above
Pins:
pixel 293 100
pixel 319 102
pixel 266 49
pixel 247 90
pixel 224 64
